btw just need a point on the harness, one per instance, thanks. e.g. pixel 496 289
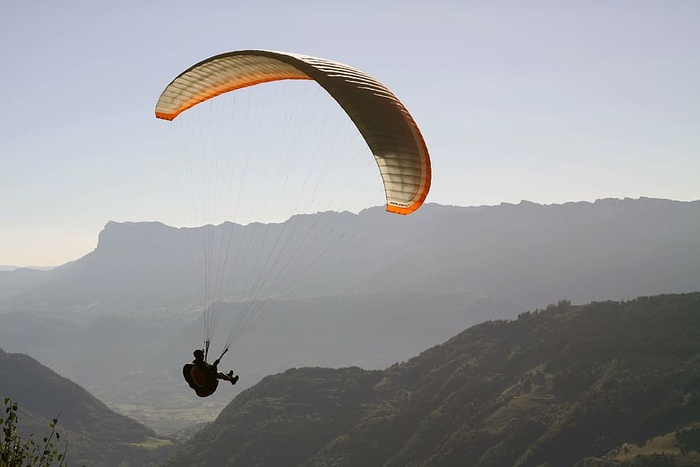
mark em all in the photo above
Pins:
pixel 201 378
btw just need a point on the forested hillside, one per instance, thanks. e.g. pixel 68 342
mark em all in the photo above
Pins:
pixel 96 435
pixel 608 383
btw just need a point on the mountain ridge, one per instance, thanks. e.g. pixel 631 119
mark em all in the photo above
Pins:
pixel 94 434
pixel 565 385
pixel 527 244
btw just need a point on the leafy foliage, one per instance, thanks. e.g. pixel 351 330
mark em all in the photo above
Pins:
pixel 18 452
pixel 566 385
pixel 689 438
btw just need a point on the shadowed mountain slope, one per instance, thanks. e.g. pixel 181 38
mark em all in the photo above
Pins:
pixel 562 386
pixel 95 434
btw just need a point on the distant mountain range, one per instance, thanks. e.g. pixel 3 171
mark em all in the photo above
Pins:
pixel 368 289
pixel 528 253
pixel 605 384
pixel 12 268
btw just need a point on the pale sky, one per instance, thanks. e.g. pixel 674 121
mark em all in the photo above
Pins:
pixel 544 101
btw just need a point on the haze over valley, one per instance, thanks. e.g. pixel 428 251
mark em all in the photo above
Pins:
pixel 122 320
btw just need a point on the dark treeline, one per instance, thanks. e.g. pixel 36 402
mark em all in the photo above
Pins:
pixel 565 385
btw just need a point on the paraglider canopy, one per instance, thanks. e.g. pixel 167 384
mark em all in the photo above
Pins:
pixel 384 122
